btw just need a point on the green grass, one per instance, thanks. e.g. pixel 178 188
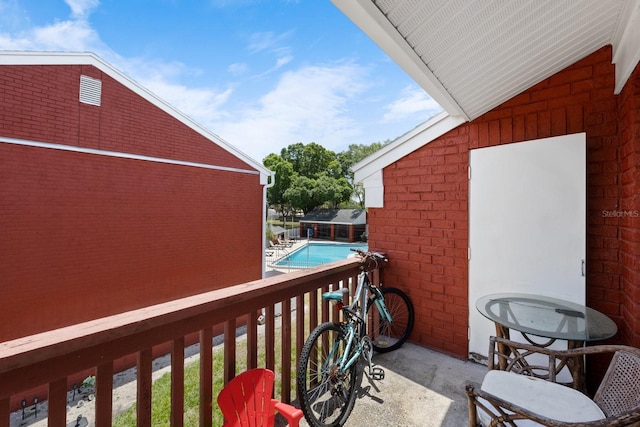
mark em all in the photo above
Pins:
pixel 161 389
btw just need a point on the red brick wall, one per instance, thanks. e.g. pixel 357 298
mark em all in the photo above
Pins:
pixel 424 223
pixel 41 103
pixel 87 235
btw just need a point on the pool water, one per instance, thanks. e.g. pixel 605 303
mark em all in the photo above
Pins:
pixel 314 254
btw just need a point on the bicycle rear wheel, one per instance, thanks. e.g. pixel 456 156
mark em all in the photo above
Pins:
pixel 326 392
pixel 389 336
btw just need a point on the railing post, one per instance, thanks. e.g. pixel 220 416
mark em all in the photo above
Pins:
pixel 269 339
pixel 229 350
pixel 143 409
pixel 104 394
pixel 206 377
pixel 252 340
pixel 325 306
pixel 5 412
pixel 57 403
pixel 300 313
pixel 177 382
pixel 313 309
pixel 285 355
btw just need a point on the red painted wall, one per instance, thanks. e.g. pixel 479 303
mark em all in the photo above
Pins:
pixel 85 235
pixel 424 223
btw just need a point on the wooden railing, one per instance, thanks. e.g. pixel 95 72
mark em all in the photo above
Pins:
pixel 52 357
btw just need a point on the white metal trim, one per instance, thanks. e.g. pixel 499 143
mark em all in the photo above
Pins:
pixel 374 190
pixel 626 55
pixel 406 144
pixel 121 155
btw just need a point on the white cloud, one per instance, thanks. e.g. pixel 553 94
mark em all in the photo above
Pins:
pixel 82 8
pixel 413 101
pixel 283 60
pixel 238 68
pixel 73 34
pixel 67 35
pixel 266 41
pixel 201 104
pixel 308 105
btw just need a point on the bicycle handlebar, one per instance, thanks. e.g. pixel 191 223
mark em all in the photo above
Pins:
pixel 375 257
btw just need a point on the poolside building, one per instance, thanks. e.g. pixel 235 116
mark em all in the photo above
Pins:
pixel 345 225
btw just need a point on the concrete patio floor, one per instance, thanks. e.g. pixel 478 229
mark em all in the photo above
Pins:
pixel 421 388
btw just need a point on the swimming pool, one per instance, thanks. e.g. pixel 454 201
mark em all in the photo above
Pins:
pixel 314 254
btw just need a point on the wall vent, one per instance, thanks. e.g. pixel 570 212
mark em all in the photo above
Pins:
pixel 90 90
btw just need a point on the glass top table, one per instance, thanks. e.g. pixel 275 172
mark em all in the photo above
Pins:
pixel 546 317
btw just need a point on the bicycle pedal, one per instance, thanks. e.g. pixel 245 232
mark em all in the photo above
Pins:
pixel 376 373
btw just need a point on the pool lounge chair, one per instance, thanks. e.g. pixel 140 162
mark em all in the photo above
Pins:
pixel 277 247
pixel 285 243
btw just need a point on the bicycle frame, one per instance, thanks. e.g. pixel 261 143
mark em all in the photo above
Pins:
pixel 356 315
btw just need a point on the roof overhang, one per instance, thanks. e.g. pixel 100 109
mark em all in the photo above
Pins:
pixel 472 55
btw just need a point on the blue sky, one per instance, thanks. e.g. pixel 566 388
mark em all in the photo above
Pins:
pixel 260 74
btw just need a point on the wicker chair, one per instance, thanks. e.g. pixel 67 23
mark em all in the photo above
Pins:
pixel 516 392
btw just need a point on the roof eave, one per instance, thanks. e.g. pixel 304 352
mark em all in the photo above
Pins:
pixel 406 144
pixel 377 27
pixel 626 49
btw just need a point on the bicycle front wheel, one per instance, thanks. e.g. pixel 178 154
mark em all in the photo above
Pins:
pixel 389 336
pixel 326 391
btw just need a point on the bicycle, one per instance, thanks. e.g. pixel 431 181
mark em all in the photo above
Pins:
pixel 329 368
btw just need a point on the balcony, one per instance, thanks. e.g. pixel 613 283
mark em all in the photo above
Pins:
pixel 420 384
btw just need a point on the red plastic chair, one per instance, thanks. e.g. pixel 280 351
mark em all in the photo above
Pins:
pixel 246 401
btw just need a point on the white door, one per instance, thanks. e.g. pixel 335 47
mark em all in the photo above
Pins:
pixel 527 215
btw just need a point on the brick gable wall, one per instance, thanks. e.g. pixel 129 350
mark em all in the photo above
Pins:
pixel 86 235
pixel 40 103
pixel 424 223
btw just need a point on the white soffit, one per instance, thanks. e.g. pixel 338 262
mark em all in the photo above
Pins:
pixel 473 55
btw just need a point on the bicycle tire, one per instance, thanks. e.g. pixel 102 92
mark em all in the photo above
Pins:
pixel 387 336
pixel 326 395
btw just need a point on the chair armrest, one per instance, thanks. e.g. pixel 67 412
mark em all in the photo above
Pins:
pixel 579 351
pixel 291 413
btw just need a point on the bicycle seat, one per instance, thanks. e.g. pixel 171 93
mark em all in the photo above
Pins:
pixel 336 295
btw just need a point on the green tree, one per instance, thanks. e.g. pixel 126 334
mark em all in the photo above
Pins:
pixel 301 194
pixel 309 160
pixel 310 176
pixel 284 176
pixel 356 153
pixel 347 159
pixel 332 191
